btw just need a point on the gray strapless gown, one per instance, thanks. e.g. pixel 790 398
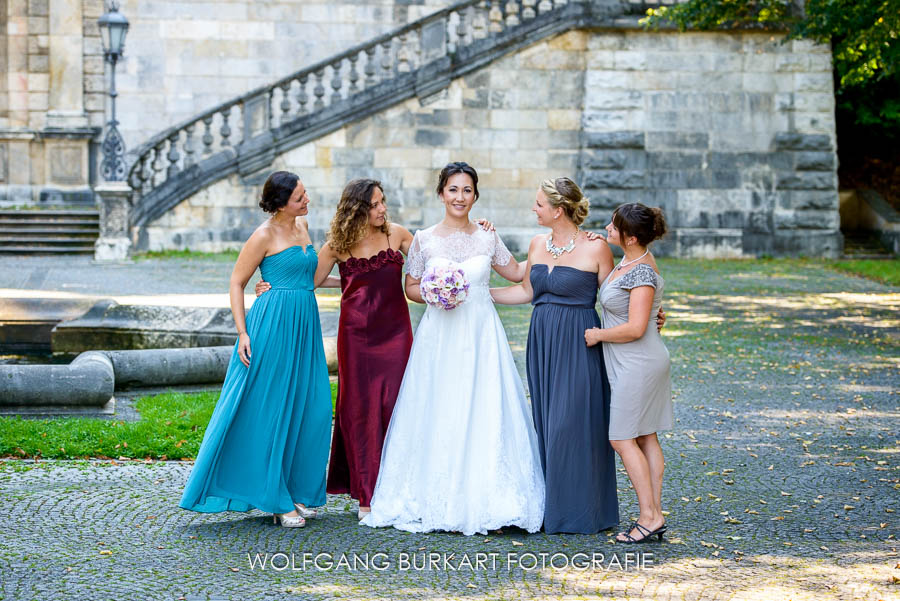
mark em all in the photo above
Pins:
pixel 641 400
pixel 570 403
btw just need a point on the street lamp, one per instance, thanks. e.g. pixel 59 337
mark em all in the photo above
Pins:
pixel 113 26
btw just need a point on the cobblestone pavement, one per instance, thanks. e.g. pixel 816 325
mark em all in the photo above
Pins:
pixel 783 482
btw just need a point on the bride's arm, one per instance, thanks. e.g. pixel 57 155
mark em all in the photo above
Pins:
pixel 520 293
pixel 413 291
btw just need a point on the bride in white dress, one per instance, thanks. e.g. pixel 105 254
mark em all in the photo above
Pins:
pixel 461 451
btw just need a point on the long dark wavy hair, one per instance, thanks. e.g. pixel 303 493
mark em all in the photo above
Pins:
pixel 351 219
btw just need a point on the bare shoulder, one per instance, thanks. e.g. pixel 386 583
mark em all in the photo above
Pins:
pixel 302 222
pixel 537 241
pixel 263 233
pixel 399 230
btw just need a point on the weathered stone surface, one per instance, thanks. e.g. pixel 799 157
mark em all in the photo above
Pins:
pixel 815 161
pixel 807 180
pixel 619 139
pixel 599 178
pixel 88 380
pixel 798 141
pixel 809 199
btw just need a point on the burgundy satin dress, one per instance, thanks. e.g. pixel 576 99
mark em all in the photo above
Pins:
pixel 373 343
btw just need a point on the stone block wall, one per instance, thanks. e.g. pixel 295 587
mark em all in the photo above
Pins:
pixel 516 122
pixel 45 138
pixel 180 58
pixel 184 57
pixel 733 135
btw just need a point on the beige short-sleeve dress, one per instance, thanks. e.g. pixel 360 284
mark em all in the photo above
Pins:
pixel 639 371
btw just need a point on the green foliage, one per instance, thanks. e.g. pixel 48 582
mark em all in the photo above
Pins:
pixel 863 35
pixel 884 271
pixel 171 427
pixel 226 255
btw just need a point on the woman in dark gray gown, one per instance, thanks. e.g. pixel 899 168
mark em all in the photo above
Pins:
pixel 568 382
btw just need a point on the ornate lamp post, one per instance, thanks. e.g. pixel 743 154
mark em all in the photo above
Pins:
pixel 113 27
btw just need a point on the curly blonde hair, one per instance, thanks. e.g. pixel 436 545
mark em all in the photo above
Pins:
pixel 564 193
pixel 351 219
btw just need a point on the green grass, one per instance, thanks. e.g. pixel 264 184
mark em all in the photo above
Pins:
pixel 226 255
pixel 886 271
pixel 171 427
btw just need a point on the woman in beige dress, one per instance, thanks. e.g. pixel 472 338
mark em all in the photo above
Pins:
pixel 637 362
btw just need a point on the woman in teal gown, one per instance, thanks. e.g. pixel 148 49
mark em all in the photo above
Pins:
pixel 266 445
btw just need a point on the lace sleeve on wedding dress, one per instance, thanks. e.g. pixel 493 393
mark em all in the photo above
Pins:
pixel 415 260
pixel 501 255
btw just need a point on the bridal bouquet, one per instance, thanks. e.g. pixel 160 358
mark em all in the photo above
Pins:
pixel 444 287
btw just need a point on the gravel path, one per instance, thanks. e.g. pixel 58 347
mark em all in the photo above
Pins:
pixel 783 475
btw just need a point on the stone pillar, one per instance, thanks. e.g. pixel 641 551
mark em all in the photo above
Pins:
pixel 66 94
pixel 114 200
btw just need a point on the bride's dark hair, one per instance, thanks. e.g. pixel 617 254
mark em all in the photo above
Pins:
pixel 452 169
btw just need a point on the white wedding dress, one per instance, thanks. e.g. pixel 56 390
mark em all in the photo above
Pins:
pixel 460 453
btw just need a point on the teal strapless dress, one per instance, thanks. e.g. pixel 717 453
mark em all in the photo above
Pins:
pixel 266 445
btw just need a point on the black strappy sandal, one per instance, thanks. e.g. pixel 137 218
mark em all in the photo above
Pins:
pixel 630 540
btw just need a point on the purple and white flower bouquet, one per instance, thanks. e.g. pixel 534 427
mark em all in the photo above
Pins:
pixel 444 287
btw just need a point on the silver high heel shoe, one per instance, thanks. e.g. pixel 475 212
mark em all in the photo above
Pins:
pixel 360 514
pixel 289 521
pixel 306 512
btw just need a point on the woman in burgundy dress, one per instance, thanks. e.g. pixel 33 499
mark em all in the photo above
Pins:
pixel 374 333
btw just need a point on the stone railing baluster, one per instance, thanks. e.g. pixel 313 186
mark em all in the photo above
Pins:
pixel 157 164
pixel 463 27
pixel 354 75
pixel 336 81
pixel 512 13
pixel 188 146
pixel 387 62
pixel 207 138
pixel 173 155
pixel 495 16
pixel 319 90
pixel 302 96
pixel 285 102
pixel 479 21
pixel 528 9
pixel 370 66
pixel 225 130
pixel 403 55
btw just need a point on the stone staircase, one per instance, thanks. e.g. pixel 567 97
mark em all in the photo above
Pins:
pixel 864 245
pixel 244 135
pixel 57 231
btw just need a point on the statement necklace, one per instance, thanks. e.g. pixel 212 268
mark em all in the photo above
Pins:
pixel 625 263
pixel 556 251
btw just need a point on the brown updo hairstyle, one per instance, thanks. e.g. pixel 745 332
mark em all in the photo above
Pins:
pixel 565 194
pixel 351 218
pixel 644 223
pixel 452 169
pixel 277 191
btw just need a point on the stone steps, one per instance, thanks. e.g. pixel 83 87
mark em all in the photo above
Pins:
pixel 864 245
pixel 58 231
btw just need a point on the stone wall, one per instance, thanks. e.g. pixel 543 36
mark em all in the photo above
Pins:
pixel 184 57
pixel 516 122
pixel 180 58
pixel 45 133
pixel 731 133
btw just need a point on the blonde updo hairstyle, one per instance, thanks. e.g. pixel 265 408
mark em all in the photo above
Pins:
pixel 565 194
